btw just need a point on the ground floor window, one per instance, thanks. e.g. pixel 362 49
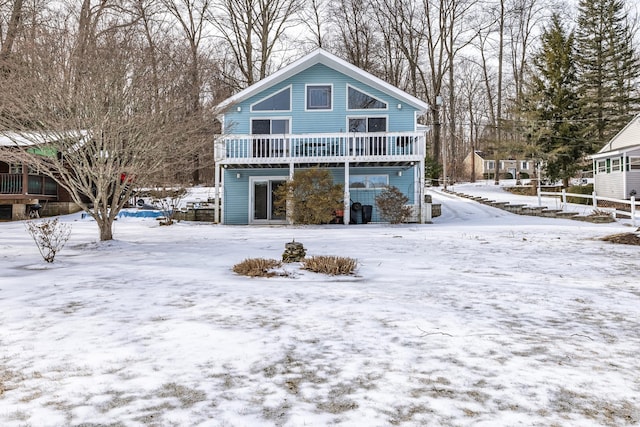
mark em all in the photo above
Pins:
pixel 368 182
pixel 263 199
pixel 634 163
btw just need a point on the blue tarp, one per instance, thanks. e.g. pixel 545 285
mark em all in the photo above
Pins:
pixel 143 213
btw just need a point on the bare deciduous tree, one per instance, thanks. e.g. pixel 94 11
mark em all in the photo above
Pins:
pixel 109 133
pixel 253 30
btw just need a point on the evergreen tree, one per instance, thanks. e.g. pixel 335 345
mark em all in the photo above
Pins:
pixel 608 69
pixel 551 103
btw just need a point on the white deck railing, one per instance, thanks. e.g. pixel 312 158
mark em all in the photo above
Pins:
pixel 320 146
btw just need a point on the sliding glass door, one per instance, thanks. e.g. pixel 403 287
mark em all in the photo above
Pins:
pixel 263 197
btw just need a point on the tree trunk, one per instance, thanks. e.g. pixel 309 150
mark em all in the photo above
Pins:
pixel 12 31
pixel 106 230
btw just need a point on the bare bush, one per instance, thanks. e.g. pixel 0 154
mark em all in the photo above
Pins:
pixel 168 199
pixel 332 265
pixel 601 212
pixel 257 267
pixel 50 236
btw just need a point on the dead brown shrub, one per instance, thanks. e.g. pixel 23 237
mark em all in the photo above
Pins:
pixel 623 238
pixel 257 267
pixel 332 265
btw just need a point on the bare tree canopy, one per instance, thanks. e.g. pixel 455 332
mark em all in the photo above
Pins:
pixel 94 121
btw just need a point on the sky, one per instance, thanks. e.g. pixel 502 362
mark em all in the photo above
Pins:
pixel 483 318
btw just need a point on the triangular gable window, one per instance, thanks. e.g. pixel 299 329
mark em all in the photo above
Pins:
pixel 280 101
pixel 357 100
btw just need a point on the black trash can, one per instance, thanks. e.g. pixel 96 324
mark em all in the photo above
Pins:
pixel 366 213
pixel 356 209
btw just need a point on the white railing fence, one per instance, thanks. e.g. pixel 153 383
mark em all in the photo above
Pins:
pixel 320 145
pixel 594 201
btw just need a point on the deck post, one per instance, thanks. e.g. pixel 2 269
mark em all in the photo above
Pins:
pixel 347 196
pixel 216 194
pixel 421 193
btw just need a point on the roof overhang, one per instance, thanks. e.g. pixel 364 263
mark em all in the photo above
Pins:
pixel 320 56
pixel 618 152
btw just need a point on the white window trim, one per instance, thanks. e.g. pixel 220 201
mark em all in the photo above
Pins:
pixel 290 87
pixel 601 166
pixel 252 180
pixel 491 165
pixel 346 98
pixel 634 163
pixel 318 110
pixel 368 116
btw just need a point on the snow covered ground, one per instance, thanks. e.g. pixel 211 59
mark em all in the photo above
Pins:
pixel 483 318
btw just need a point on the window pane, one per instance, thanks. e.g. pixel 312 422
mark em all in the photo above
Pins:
pixel 634 163
pixel 275 185
pixel 318 97
pixel 279 126
pixel 358 100
pixel 261 127
pixel 377 181
pixel 281 101
pixel 357 125
pixel 377 124
pixel 260 200
pixel 357 181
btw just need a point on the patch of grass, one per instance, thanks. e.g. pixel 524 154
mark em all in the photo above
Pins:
pixel 332 265
pixel 257 267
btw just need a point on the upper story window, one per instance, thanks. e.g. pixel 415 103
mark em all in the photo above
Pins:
pixel 279 101
pixel 15 168
pixel 524 165
pixel 491 165
pixel 319 97
pixel 269 126
pixel 358 100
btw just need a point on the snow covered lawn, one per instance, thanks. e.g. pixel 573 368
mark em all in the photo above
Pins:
pixel 483 318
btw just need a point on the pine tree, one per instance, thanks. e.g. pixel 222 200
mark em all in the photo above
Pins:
pixel 551 103
pixel 608 68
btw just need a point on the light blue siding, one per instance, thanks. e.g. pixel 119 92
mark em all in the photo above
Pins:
pixel 237 191
pixel 398 120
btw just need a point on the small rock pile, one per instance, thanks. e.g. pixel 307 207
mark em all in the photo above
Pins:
pixel 293 252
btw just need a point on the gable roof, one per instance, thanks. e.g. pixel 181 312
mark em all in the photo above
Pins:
pixel 320 56
pixel 628 137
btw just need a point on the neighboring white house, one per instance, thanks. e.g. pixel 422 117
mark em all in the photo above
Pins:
pixel 616 167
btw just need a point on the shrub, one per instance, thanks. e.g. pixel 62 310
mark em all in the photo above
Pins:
pixel 392 205
pixel 332 265
pixel 257 267
pixel 580 189
pixel 311 196
pixel 50 236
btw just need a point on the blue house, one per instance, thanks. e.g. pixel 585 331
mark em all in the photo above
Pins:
pixel 319 111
